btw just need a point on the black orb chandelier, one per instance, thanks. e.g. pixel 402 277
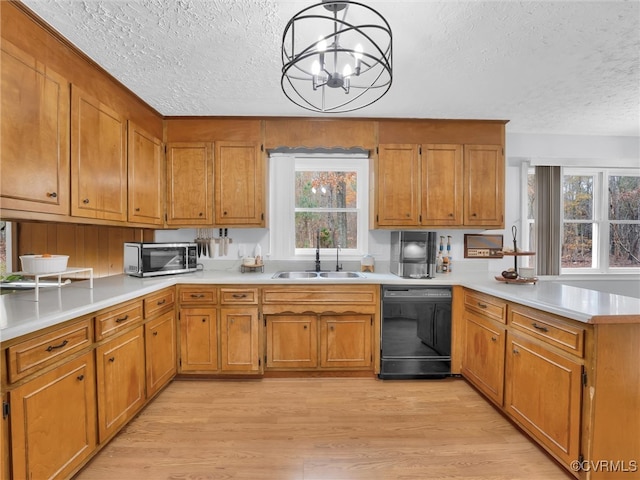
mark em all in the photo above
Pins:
pixel 336 57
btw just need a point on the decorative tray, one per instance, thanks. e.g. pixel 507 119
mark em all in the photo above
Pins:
pixel 519 280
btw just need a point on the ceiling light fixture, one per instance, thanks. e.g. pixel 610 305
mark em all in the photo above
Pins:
pixel 335 64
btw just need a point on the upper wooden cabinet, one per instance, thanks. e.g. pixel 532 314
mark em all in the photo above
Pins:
pixel 398 185
pixel 239 184
pixel 145 174
pixel 484 186
pixel 189 184
pixel 98 159
pixel 34 135
pixel 439 185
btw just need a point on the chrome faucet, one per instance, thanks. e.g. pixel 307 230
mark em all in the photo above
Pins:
pixel 318 268
pixel 338 266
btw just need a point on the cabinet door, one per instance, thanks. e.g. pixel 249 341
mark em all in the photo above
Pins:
pixel 34 135
pixel 239 180
pixel 189 184
pixel 398 184
pixel 292 341
pixel 484 186
pixel 441 189
pixel 160 351
pixel 483 362
pixel 198 340
pixel 544 394
pixel 98 159
pixel 145 171
pixel 53 421
pixel 239 340
pixel 121 381
pixel 345 340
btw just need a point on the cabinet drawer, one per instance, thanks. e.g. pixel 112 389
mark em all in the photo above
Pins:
pixel 197 295
pixel 119 318
pixel 307 295
pixel 239 296
pixel 31 355
pixel 548 328
pixel 158 302
pixel 486 305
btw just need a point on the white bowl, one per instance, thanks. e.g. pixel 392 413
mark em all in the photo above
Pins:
pixel 38 264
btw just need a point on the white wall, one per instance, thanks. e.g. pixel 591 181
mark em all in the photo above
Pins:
pixel 542 149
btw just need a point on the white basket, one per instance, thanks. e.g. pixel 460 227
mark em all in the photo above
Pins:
pixel 38 264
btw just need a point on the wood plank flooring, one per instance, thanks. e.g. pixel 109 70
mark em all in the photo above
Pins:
pixel 320 429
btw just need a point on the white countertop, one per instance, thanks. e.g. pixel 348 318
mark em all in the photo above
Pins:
pixel 20 314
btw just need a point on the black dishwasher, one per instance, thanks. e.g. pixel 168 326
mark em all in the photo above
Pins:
pixel 415 338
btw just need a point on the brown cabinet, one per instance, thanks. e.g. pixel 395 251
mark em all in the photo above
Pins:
pixel 398 186
pixel 292 341
pixel 53 428
pixel 239 184
pixel 189 184
pixel 121 381
pixel 160 351
pixel 441 174
pixel 543 394
pixel 145 176
pixel 483 355
pixel 320 328
pixel 198 339
pixel 239 330
pixel 198 318
pixel 98 159
pixel 484 186
pixel 439 185
pixel 34 137
pixel 345 341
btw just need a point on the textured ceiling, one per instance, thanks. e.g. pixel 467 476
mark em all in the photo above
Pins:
pixel 561 67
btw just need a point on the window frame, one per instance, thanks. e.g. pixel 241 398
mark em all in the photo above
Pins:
pixel 283 167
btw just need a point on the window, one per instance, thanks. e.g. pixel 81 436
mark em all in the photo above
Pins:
pixel 600 220
pixel 320 199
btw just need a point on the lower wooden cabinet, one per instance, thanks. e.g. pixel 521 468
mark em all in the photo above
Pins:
pixel 345 340
pixel 120 380
pixel 483 356
pixel 292 341
pixel 240 340
pixel 160 351
pixel 543 394
pixel 53 428
pixel 198 340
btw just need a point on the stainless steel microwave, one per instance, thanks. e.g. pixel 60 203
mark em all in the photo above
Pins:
pixel 153 259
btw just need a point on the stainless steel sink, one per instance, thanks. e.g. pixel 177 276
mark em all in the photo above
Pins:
pixel 341 275
pixel 304 275
pixel 295 275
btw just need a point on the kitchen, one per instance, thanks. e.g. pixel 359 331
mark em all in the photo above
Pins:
pixel 102 229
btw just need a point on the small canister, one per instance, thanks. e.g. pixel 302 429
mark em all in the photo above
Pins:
pixel 367 263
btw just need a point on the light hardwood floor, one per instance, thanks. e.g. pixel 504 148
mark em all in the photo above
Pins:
pixel 321 428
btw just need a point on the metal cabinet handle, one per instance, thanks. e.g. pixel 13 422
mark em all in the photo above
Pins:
pixel 155 334
pixel 539 327
pixel 197 295
pixel 50 348
pixel 52 194
pixel 162 302
pixel 494 339
pixel 305 327
pixel 80 377
pixel 239 295
pixel 85 201
pixel 482 305
pixel 112 359
pixel 122 319
pixel 516 351
pixel 204 320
